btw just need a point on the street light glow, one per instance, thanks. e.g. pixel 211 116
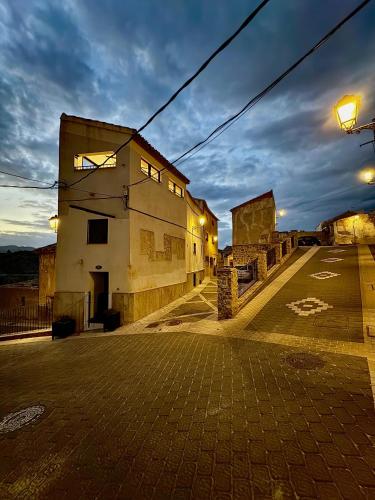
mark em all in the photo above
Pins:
pixel 367 175
pixel 346 110
pixel 202 220
pixel 282 212
pixel 54 222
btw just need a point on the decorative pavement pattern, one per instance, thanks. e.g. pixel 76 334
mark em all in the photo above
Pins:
pixel 323 275
pixel 332 259
pixel 342 318
pixel 308 306
pixel 337 250
pixel 187 416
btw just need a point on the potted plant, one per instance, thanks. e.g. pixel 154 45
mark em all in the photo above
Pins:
pixel 63 327
pixel 111 320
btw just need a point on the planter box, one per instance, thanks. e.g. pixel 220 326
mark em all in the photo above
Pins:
pixel 111 320
pixel 62 328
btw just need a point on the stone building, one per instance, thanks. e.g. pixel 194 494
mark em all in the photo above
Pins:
pixel 129 236
pixel 350 228
pixel 254 221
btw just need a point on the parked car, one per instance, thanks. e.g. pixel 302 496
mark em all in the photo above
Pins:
pixel 308 241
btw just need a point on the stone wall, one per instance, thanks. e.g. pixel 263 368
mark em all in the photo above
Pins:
pixel 254 222
pixel 227 292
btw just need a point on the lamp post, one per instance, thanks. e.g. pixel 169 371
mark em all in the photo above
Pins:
pixel 281 213
pixel 54 222
pixel 368 176
pixel 346 110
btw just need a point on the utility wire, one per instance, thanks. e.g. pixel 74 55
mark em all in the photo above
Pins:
pixel 225 44
pixel 259 96
pixel 52 186
pixel 22 177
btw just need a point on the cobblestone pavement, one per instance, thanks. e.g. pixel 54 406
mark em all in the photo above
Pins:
pixel 181 415
pixel 322 300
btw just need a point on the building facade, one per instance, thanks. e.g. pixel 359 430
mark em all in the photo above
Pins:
pixel 254 221
pixel 210 238
pixel 127 237
pixel 350 228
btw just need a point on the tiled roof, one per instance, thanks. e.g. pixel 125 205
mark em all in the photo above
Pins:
pixel 204 202
pixel 138 139
pixel 268 194
pixel 46 249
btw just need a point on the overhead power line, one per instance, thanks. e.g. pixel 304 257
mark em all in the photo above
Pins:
pixel 230 121
pixel 223 46
pixel 23 177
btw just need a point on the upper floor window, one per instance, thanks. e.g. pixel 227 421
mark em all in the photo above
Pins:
pixel 150 171
pixel 97 231
pixel 176 189
pixel 85 161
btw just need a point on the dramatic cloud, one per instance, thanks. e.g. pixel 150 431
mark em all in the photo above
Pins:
pixel 119 61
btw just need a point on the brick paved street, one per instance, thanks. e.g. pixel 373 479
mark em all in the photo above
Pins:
pixel 180 415
pixel 328 281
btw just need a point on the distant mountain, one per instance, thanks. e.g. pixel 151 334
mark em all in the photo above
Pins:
pixel 15 248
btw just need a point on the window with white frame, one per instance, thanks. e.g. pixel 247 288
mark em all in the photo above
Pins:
pixel 175 189
pixel 86 161
pixel 150 171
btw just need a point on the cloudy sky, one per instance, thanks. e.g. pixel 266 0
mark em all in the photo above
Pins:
pixel 119 61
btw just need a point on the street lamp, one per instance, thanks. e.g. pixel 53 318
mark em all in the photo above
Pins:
pixel 54 222
pixel 367 175
pixel 202 220
pixel 282 212
pixel 346 110
pixel 215 239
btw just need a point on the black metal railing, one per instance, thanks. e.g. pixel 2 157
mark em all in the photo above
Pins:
pixel 25 318
pixel 247 275
pixel 284 248
pixel 271 257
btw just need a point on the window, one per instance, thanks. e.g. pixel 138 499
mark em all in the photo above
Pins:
pixel 194 248
pixel 86 161
pixel 97 231
pixel 175 189
pixel 150 171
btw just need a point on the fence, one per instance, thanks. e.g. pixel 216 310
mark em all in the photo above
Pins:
pixel 25 318
pixel 247 276
pixel 271 257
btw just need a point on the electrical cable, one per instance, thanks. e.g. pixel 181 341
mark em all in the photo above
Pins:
pixel 22 177
pixel 203 66
pixel 259 96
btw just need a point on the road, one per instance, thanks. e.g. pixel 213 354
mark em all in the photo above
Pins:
pixel 233 414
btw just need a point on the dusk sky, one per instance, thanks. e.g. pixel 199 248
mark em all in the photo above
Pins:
pixel 118 61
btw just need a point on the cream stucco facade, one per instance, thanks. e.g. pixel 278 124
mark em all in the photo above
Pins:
pixel 149 257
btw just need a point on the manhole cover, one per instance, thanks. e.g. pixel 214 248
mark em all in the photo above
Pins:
pixel 174 322
pixel 304 360
pixel 153 325
pixel 15 421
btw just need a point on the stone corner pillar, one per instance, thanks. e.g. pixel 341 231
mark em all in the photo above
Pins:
pixel 289 245
pixel 262 266
pixel 278 252
pixel 227 286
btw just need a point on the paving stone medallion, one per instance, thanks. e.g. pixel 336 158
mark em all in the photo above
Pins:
pixel 331 259
pixel 308 306
pixel 338 250
pixel 304 360
pixel 15 421
pixel 323 275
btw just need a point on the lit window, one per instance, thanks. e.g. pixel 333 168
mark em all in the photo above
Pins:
pixel 150 171
pixel 97 231
pixel 175 189
pixel 86 161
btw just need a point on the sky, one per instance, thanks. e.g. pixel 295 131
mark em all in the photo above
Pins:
pixel 118 61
